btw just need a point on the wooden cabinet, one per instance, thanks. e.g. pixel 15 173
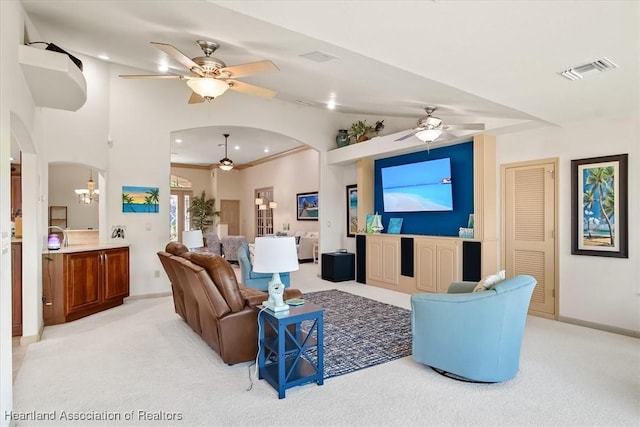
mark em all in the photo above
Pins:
pixel 438 263
pixel 78 284
pixel 16 288
pixel 383 257
pixel 16 194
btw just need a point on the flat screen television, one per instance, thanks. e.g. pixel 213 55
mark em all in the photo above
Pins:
pixel 418 187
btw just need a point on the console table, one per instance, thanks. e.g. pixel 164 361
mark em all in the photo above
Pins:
pixel 283 358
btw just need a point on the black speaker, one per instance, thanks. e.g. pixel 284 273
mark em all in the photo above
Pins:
pixel 471 261
pixel 406 256
pixel 361 256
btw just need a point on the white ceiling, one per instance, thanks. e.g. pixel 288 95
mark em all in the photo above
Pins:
pixel 479 61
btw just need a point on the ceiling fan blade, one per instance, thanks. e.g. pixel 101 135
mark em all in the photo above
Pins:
pixel 250 89
pixel 464 126
pixel 249 68
pixel 179 56
pixel 151 76
pixel 195 98
pixel 407 136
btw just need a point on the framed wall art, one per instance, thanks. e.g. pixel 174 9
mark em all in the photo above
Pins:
pixel 140 199
pixel 352 210
pixel 599 209
pixel 307 206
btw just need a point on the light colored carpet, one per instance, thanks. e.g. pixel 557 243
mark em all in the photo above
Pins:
pixel 143 357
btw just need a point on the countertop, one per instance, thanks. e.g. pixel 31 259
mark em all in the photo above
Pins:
pixel 85 248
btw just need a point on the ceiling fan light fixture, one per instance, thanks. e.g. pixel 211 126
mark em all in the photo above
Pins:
pixel 428 135
pixel 208 87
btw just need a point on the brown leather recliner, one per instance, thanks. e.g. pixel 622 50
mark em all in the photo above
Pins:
pixel 207 295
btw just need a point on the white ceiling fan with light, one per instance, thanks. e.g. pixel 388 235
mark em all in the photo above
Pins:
pixel 210 77
pixel 430 128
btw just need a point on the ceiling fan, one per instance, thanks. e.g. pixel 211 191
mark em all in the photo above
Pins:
pixel 210 77
pixel 429 128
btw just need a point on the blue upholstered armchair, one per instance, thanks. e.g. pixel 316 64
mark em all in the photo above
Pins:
pixel 254 280
pixel 473 335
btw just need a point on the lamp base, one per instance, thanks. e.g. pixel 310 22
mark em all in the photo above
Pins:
pixel 275 308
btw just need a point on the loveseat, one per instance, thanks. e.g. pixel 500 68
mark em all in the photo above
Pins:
pixel 208 297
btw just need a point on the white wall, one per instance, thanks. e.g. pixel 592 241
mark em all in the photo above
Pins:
pixel 63 180
pixel 594 289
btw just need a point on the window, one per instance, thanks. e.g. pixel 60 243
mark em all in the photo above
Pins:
pixel 179 202
pixel 264 211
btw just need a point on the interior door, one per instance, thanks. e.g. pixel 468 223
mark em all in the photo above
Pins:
pixel 230 215
pixel 529 228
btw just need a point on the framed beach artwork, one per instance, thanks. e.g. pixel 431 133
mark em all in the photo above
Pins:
pixel 140 199
pixel 352 210
pixel 599 210
pixel 307 206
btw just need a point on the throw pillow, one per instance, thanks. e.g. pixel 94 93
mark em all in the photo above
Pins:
pixel 252 250
pixel 489 281
pixel 298 240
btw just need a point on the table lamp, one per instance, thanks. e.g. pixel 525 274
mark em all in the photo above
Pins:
pixel 192 239
pixel 275 255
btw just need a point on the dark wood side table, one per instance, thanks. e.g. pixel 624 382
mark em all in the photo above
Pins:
pixel 338 266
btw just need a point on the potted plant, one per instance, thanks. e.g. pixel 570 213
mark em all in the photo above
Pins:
pixel 202 213
pixel 360 130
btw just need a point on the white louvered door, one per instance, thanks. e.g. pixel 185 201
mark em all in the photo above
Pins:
pixel 529 229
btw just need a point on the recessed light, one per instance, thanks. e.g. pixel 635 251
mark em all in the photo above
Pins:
pixel 237 147
pixel 179 141
pixel 163 68
pixel 104 57
pixel 11 159
pixel 331 105
pixel 266 149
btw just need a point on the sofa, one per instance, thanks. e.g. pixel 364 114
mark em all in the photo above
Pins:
pixel 305 242
pixel 208 297
pixel 475 336
pixel 252 279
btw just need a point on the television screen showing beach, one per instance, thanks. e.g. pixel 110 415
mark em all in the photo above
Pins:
pixel 140 199
pixel 418 187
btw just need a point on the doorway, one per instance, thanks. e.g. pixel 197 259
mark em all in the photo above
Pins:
pixel 529 229
pixel 179 219
pixel 230 215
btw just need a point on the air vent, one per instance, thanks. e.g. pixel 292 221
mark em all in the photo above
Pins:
pixel 580 71
pixel 318 56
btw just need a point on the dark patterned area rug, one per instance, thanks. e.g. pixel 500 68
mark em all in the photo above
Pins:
pixel 360 332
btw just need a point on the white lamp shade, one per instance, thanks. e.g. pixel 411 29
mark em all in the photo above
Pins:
pixel 428 135
pixel 258 201
pixel 208 87
pixel 192 239
pixel 275 255
pixel 273 205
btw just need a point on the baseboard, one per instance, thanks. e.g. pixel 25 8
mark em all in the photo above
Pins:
pixel 606 328
pixel 26 340
pixel 143 296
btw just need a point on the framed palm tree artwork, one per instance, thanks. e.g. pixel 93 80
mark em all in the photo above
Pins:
pixel 140 199
pixel 599 208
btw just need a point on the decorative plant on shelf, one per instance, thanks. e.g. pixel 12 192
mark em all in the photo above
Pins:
pixel 202 213
pixel 360 130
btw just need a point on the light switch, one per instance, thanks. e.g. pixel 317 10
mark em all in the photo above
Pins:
pixel 6 242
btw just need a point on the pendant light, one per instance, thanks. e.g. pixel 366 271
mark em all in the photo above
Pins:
pixel 226 164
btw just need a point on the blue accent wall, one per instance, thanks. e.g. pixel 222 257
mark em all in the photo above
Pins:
pixel 433 223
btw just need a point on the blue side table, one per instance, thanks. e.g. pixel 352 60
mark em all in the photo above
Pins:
pixel 285 358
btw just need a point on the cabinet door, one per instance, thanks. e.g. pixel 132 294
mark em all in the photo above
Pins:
pixel 374 258
pixel 425 265
pixel 390 258
pixel 16 288
pixel 447 264
pixel 116 273
pixel 82 280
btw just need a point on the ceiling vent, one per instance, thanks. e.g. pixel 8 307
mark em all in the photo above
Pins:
pixel 580 71
pixel 318 56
